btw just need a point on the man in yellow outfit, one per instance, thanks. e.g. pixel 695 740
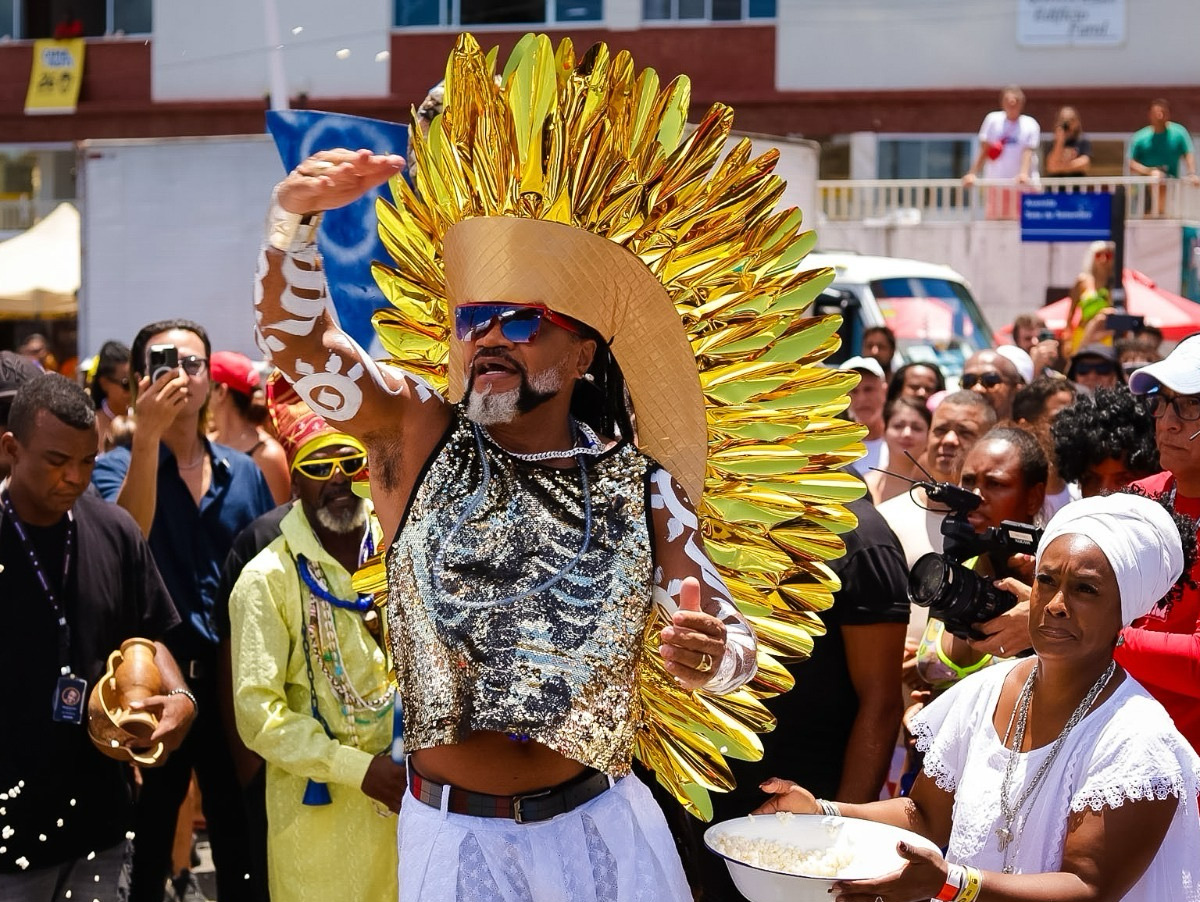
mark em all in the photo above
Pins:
pixel 311 689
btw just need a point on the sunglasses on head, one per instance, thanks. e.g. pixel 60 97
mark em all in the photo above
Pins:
pixel 322 469
pixel 1099 368
pixel 519 323
pixel 987 380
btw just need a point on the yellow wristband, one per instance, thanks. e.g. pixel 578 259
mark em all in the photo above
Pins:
pixel 972 886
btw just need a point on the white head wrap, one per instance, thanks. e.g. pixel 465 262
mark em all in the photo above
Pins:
pixel 1138 537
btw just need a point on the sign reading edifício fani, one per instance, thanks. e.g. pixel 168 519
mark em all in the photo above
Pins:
pixel 1070 23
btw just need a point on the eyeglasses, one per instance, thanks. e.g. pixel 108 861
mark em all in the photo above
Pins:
pixel 1099 368
pixel 193 365
pixel 519 323
pixel 1187 407
pixel 322 469
pixel 987 380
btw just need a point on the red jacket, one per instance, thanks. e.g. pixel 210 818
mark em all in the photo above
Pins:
pixel 1162 650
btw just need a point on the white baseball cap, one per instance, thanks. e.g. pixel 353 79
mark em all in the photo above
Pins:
pixel 1020 359
pixel 1179 371
pixel 864 364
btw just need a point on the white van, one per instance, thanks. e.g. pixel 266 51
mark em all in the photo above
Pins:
pixel 929 308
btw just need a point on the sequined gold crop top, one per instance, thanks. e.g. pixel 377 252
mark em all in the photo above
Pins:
pixel 517 601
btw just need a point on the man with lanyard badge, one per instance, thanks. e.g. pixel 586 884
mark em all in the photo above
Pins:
pixel 77 579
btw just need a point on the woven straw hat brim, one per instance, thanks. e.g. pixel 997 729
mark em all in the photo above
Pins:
pixel 600 283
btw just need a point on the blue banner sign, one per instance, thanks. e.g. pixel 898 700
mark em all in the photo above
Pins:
pixel 1066 217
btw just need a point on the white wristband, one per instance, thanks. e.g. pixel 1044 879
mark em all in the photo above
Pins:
pixel 290 232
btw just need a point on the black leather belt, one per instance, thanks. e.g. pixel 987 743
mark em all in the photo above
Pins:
pixel 526 808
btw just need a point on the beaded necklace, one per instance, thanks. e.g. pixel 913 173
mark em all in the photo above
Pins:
pixel 321 642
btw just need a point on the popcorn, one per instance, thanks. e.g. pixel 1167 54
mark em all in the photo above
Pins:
pixel 788 857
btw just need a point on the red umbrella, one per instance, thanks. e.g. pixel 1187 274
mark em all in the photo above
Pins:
pixel 1176 316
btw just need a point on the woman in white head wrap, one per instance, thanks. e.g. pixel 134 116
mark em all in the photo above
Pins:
pixel 1054 777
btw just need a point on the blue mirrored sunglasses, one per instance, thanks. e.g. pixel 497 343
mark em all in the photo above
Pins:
pixel 519 323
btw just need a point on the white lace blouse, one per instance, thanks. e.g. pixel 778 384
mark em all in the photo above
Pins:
pixel 1124 750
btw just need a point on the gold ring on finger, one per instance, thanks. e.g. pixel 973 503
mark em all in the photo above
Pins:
pixel 705 664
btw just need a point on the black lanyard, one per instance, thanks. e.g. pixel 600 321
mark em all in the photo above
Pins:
pixel 60 615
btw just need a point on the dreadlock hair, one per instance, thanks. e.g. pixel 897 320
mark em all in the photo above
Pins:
pixel 600 398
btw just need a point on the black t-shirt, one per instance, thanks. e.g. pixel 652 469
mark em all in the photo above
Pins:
pixel 816 716
pixel 1082 145
pixel 246 546
pixel 68 792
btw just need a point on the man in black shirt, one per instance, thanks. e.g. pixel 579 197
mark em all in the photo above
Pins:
pixel 76 580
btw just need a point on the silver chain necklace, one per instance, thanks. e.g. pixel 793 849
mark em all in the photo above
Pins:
pixel 593 448
pixel 1010 810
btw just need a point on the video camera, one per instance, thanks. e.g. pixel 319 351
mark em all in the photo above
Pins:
pixel 955 594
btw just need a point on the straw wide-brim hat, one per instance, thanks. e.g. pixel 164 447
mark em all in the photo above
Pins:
pixel 600 283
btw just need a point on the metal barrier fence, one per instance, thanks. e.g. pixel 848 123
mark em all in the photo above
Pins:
pixel 948 200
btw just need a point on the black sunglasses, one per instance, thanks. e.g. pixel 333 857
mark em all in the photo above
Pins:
pixel 987 380
pixel 1099 368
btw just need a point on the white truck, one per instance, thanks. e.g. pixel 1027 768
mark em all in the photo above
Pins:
pixel 171 227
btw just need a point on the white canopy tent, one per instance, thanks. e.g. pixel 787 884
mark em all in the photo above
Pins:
pixel 39 269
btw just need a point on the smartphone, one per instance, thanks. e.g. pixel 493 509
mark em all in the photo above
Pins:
pixel 1124 322
pixel 163 359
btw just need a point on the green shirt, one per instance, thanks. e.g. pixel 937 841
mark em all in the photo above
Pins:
pixel 1161 150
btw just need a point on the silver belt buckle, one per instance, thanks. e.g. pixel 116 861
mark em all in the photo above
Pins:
pixel 520 800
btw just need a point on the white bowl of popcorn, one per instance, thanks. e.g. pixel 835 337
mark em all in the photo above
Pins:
pixel 797 857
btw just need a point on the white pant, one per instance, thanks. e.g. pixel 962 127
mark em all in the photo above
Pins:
pixel 615 848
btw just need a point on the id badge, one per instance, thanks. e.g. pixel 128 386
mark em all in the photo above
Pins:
pixel 69 696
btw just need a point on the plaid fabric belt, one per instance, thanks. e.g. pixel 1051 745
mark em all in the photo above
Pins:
pixel 527 808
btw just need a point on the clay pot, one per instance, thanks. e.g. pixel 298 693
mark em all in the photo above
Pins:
pixel 131 676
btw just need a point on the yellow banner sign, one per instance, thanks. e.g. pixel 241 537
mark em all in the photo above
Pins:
pixel 55 77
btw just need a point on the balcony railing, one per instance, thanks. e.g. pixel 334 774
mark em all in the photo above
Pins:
pixel 22 213
pixel 902 201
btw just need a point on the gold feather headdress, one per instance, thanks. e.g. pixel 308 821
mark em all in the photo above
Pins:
pixel 595 148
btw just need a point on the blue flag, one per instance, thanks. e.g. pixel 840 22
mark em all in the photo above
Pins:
pixel 349 236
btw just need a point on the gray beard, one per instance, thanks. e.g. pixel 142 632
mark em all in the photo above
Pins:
pixel 352 521
pixel 488 408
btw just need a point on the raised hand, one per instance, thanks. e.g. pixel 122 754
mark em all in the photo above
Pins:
pixel 694 644
pixel 333 178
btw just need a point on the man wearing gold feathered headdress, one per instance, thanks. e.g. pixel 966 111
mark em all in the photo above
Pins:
pixel 602 448
pixel 528 533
